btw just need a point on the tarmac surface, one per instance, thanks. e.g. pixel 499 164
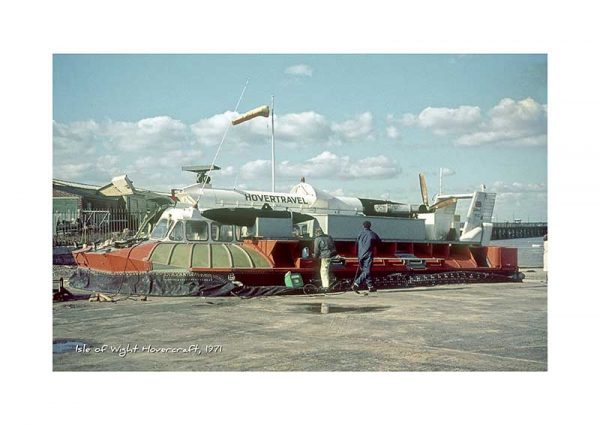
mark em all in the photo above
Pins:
pixel 475 327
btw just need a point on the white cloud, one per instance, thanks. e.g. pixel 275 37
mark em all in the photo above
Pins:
pixel 109 166
pixel 227 171
pixel 509 113
pixel 523 205
pixel 518 187
pixel 325 165
pixel 75 131
pixel 303 127
pixel 408 120
pixel 442 121
pixel 254 170
pixel 392 132
pixel 95 152
pixel 293 129
pixel 210 131
pixel 510 122
pixel 372 167
pixel 297 128
pixel 156 132
pixel 355 130
pixel 72 171
pixel 80 137
pixel 152 150
pixel 149 133
pixel 300 70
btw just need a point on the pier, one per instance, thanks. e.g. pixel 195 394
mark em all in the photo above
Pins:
pixel 513 230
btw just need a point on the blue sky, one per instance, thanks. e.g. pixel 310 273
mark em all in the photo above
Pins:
pixel 355 125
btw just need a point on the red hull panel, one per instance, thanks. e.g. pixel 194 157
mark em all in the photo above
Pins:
pixel 284 256
pixel 134 259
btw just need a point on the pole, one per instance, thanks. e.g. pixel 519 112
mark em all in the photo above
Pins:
pixel 440 181
pixel 272 143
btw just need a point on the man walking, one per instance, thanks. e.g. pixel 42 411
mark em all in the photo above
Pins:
pixel 367 240
pixel 324 249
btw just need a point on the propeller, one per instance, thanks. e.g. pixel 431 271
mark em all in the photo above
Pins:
pixel 425 208
pixel 424 194
pixel 443 203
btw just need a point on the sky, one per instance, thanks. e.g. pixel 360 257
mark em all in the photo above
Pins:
pixel 353 125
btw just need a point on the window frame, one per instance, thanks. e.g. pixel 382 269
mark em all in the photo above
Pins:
pixel 165 234
pixel 178 222
pixel 218 229
pixel 191 222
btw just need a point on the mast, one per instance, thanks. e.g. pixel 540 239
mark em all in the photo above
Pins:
pixel 272 143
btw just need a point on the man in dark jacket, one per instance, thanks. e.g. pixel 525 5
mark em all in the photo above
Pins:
pixel 367 240
pixel 324 249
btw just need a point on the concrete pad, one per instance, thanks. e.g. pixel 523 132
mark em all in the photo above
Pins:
pixel 479 327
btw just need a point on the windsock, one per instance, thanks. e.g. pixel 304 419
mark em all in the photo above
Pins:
pixel 261 111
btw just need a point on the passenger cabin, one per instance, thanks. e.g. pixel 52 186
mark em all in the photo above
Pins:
pixel 188 225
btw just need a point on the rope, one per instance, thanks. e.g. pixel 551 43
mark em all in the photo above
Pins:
pixel 222 140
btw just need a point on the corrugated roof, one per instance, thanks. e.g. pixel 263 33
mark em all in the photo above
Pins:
pixel 75 185
pixel 79 189
pixel 83 189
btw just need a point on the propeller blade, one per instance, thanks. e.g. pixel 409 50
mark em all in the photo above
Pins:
pixel 443 203
pixel 424 194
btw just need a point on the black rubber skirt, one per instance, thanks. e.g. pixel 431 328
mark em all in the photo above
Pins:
pixel 171 284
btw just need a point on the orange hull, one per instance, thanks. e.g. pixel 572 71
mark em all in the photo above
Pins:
pixel 269 260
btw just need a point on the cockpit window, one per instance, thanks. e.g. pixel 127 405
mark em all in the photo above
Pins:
pixel 160 230
pixel 177 232
pixel 222 233
pixel 246 232
pixel 214 231
pixel 226 233
pixel 196 230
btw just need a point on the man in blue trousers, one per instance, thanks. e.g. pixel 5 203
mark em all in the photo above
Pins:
pixel 367 240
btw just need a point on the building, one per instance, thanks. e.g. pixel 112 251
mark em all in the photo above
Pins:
pixel 120 194
pixel 69 198
pixel 75 205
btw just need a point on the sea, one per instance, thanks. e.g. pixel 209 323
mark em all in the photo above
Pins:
pixel 531 250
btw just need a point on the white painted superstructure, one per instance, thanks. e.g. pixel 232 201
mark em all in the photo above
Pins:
pixel 302 198
pixel 397 221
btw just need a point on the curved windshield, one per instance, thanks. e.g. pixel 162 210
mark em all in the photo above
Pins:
pixel 177 232
pixel 160 230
